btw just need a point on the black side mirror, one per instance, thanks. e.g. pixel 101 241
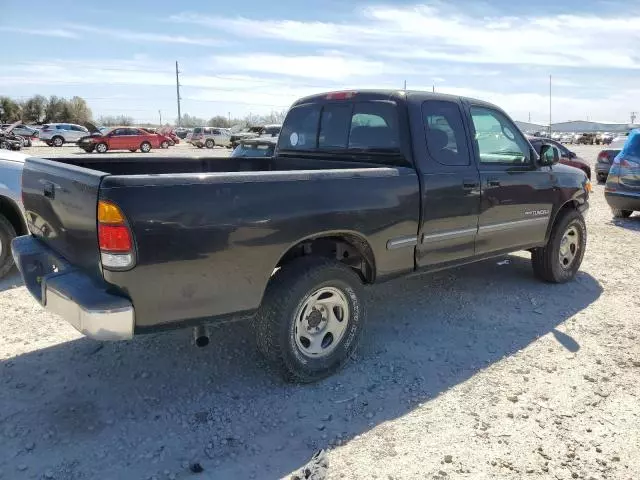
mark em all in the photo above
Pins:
pixel 548 155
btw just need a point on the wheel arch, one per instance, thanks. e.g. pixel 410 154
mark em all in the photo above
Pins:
pixel 571 204
pixel 348 247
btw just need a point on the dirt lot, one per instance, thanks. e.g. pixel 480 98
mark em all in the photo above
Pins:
pixel 480 372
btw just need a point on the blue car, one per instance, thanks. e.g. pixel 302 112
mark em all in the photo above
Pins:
pixel 622 190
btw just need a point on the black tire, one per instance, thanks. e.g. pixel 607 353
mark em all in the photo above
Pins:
pixel 171 143
pixel 4 145
pixel 102 147
pixel 164 144
pixel 275 323
pixel 145 147
pixel 209 143
pixel 7 233
pixel 617 213
pixel 57 141
pixel 601 178
pixel 199 146
pixel 132 150
pixel 546 261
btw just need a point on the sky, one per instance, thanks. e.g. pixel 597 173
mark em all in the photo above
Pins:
pixel 253 57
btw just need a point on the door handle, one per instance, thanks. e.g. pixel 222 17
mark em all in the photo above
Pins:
pixel 493 182
pixel 469 184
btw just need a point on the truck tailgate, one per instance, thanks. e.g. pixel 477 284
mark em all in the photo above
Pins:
pixel 60 202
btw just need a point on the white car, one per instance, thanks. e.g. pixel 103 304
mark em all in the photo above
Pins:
pixel 57 134
pixel 209 137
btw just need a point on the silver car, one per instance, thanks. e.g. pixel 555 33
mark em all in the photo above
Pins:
pixel 57 134
pixel 12 220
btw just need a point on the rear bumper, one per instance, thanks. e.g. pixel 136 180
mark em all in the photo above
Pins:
pixel 623 200
pixel 87 303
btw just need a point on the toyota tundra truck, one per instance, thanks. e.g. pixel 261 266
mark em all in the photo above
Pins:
pixel 364 186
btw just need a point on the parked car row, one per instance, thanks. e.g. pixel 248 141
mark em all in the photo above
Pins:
pixel 127 138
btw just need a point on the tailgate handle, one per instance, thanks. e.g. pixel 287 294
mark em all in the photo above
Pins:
pixel 49 190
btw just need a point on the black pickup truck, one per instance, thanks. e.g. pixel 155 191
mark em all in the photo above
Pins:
pixel 364 186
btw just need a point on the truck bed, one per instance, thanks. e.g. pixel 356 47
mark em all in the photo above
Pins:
pixel 209 232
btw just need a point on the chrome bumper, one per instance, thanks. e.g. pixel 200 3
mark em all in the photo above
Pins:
pixel 85 302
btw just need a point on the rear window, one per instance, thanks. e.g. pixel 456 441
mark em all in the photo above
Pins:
pixel 252 150
pixel 350 126
pixel 197 130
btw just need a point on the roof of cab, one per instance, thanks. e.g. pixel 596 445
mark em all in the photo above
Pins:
pixel 388 94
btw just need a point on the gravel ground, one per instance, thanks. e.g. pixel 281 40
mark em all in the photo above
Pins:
pixel 478 372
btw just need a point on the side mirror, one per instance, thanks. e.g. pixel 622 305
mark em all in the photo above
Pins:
pixel 548 155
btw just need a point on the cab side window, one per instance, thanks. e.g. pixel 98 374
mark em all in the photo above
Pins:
pixel 444 132
pixel 498 140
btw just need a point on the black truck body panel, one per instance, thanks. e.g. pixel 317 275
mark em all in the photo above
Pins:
pixel 209 232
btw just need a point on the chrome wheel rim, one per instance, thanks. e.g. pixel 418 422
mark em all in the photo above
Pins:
pixel 145 147
pixel 101 148
pixel 569 247
pixel 321 321
pixel 57 142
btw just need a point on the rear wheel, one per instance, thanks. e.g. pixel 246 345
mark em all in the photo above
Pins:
pixel 602 178
pixel 132 150
pixel 4 145
pixel 560 259
pixel 7 233
pixel 618 213
pixel 57 141
pixel 209 143
pixel 164 144
pixel 102 147
pixel 311 318
pixel 145 147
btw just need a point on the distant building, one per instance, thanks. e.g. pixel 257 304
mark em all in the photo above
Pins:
pixel 528 127
pixel 584 126
pixel 576 126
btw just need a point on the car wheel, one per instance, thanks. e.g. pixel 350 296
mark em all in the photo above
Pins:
pixel 7 233
pixel 4 145
pixel 145 147
pixel 311 318
pixel 199 146
pixel 132 150
pixel 164 144
pixel 102 147
pixel 171 143
pixel 209 143
pixel 617 213
pixel 601 178
pixel 57 141
pixel 560 259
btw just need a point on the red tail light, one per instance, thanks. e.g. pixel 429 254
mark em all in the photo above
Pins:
pixel 114 237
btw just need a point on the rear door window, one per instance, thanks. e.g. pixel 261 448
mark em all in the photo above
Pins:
pixel 445 133
pixel 300 130
pixel 334 126
pixel 374 126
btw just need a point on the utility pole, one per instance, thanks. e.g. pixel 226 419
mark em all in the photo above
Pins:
pixel 633 117
pixel 405 85
pixel 229 115
pixel 529 117
pixel 160 114
pixel 549 105
pixel 178 94
pixel 433 88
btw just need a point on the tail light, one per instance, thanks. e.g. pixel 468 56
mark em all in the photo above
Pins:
pixel 114 237
pixel 603 157
pixel 625 163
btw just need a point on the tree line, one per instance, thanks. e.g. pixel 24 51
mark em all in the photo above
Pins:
pixel 39 109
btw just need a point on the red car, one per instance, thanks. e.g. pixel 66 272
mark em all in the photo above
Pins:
pixel 122 138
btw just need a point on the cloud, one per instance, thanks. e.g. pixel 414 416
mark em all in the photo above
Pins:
pixel 332 66
pixel 135 36
pixel 442 33
pixel 46 32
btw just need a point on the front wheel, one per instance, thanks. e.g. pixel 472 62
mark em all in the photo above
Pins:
pixel 164 144
pixel 601 178
pixel 145 147
pixel 102 147
pixel 209 143
pixel 57 141
pixel 311 318
pixel 617 213
pixel 560 259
